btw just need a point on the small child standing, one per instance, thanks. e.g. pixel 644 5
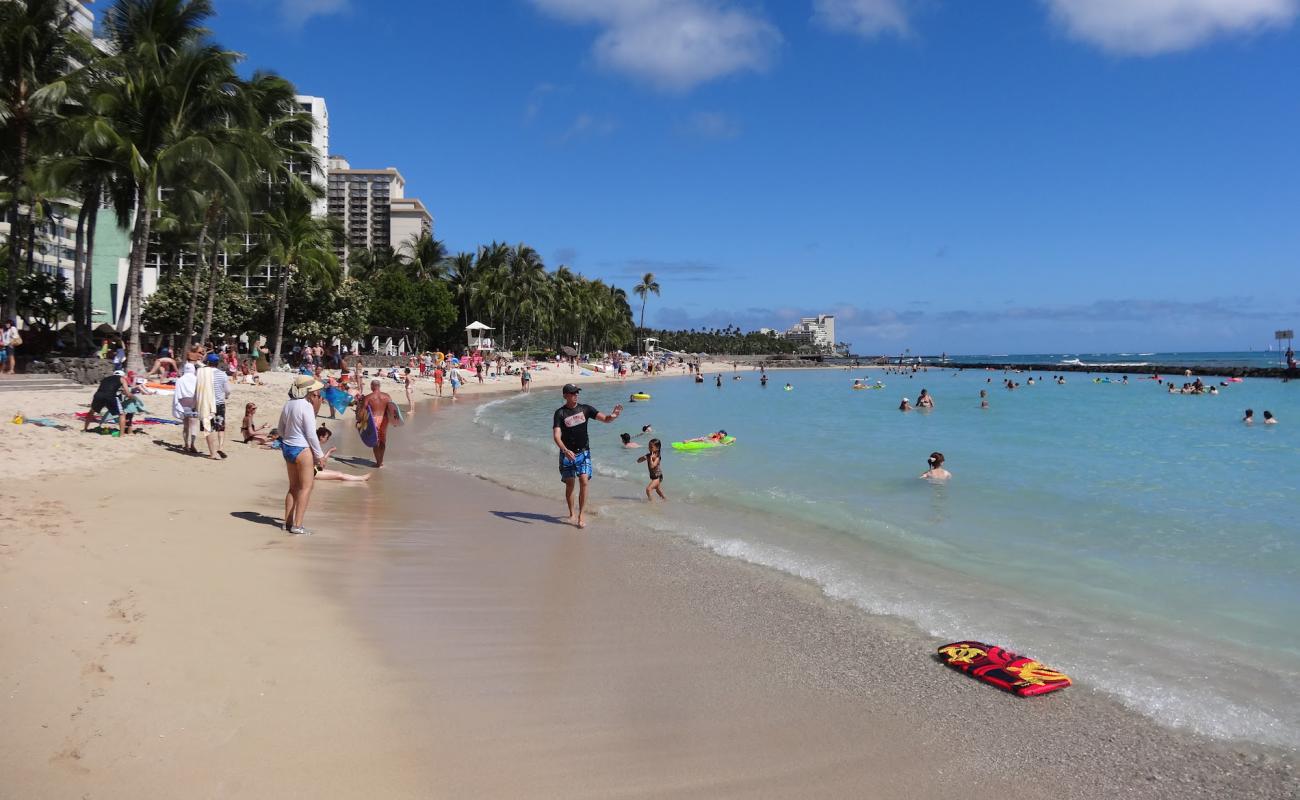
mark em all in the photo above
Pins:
pixel 655 464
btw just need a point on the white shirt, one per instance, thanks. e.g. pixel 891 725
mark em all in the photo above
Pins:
pixel 298 426
pixel 7 336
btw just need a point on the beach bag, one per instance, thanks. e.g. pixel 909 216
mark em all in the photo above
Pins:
pixel 368 430
pixel 16 340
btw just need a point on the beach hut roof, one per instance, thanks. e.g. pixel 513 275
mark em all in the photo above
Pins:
pixel 478 326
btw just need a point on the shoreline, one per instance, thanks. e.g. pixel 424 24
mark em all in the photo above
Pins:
pixel 537 660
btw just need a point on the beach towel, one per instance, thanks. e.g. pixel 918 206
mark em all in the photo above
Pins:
pixel 183 399
pixel 205 397
pixel 368 430
pixel 338 399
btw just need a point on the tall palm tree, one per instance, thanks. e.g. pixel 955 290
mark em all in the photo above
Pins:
pixel 169 99
pixel 39 55
pixel 648 286
pixel 460 273
pixel 296 242
pixel 424 256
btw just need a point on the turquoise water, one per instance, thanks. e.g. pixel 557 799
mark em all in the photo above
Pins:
pixel 1145 543
pixel 1211 360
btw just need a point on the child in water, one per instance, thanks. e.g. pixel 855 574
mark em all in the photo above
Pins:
pixel 626 438
pixel 655 464
pixel 936 472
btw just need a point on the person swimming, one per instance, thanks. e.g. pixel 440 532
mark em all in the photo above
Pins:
pixel 1269 419
pixel 716 437
pixel 936 472
pixel 626 438
pixel 906 405
pixel 1249 419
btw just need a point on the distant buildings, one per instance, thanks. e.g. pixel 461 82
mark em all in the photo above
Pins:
pixel 817 332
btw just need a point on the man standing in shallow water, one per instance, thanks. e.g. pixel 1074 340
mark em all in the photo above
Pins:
pixel 569 430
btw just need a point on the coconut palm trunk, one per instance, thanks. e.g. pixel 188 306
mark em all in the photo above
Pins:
pixel 190 312
pixel 86 322
pixel 135 276
pixel 281 303
pixel 214 277
pixel 79 271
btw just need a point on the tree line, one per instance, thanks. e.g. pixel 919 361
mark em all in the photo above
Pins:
pixel 214 176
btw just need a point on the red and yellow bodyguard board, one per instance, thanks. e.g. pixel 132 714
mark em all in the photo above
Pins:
pixel 1003 668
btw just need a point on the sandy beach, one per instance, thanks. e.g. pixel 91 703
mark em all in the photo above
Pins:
pixel 164 638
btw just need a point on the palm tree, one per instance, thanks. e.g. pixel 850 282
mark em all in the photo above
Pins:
pixel 169 99
pixel 460 273
pixel 648 286
pixel 297 242
pixel 424 256
pixel 39 53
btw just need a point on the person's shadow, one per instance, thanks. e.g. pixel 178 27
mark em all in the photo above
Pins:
pixel 355 461
pixel 259 518
pixel 528 518
pixel 175 448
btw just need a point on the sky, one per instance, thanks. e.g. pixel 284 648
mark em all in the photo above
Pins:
pixel 1004 176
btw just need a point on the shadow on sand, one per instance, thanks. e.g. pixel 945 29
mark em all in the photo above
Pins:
pixel 260 519
pixel 528 518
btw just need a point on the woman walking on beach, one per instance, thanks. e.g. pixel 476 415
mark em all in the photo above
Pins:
pixel 301 449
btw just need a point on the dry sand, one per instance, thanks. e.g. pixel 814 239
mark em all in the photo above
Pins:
pixel 162 638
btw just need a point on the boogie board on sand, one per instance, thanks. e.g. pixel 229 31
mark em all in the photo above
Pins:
pixel 1003 668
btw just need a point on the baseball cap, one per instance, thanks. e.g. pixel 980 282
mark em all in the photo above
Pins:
pixel 213 358
pixel 571 388
pixel 119 373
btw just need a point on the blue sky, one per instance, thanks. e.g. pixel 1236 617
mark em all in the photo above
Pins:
pixel 1009 176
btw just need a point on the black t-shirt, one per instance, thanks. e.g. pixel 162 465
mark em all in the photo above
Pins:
pixel 108 388
pixel 572 423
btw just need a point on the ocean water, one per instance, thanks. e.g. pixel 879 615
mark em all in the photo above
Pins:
pixel 1245 358
pixel 1145 543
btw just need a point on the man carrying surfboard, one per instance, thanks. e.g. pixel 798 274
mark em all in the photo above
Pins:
pixel 374 413
pixel 569 430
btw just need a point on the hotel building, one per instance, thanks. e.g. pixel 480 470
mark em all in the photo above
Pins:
pixel 373 208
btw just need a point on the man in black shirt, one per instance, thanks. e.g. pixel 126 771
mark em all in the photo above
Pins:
pixel 569 430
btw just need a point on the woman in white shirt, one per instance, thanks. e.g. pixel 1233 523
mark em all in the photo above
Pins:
pixel 301 448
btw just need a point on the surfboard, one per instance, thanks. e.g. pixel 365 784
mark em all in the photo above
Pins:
pixel 1002 668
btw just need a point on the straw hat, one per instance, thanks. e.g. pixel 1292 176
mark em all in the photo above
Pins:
pixel 304 385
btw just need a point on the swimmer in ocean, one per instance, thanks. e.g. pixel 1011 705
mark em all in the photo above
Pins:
pixel 1249 419
pixel 1269 419
pixel 626 439
pixel 936 472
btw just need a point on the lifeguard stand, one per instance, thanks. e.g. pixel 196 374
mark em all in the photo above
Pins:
pixel 476 338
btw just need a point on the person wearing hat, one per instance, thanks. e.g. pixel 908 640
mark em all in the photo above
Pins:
pixel 301 448
pixel 906 405
pixel 569 430
pixel 108 398
pixel 210 393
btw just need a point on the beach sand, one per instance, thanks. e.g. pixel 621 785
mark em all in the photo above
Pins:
pixel 162 638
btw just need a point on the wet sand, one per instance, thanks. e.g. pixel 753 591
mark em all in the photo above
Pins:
pixel 443 636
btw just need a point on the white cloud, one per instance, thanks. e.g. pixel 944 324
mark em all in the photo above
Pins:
pixel 585 125
pixel 1149 27
pixel 710 125
pixel 295 13
pixel 673 44
pixel 865 18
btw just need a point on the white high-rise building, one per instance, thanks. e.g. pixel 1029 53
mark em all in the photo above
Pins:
pixel 818 331
pixel 320 142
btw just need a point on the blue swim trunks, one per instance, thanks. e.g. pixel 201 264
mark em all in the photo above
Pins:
pixel 580 464
pixel 290 452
